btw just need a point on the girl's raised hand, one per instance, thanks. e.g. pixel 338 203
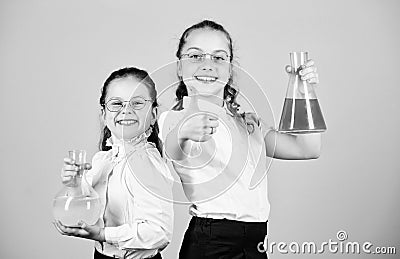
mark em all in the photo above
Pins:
pixel 308 72
pixel 197 125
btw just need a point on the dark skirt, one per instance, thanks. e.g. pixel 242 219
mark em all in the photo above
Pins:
pixel 98 255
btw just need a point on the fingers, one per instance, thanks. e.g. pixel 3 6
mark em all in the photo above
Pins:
pixel 211 124
pixel 209 130
pixel 69 165
pixel 205 138
pixel 309 63
pixel 212 117
pixel 309 76
pixel 67 176
pixel 71 169
pixel 64 230
pixel 309 73
pixel 313 80
pixel 69 161
pixel 83 225
pixel 308 70
pixel 58 226
pixel 68 171
pixel 80 231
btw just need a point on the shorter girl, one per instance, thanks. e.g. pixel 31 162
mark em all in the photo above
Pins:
pixel 128 173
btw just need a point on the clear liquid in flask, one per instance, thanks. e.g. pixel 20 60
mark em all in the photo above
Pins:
pixel 70 210
pixel 77 200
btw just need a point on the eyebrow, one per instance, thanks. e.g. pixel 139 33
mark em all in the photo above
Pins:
pixel 121 99
pixel 199 49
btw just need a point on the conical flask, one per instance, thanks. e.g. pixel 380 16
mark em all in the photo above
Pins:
pixel 77 200
pixel 301 111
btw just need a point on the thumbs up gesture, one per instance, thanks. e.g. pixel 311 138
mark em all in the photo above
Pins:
pixel 197 125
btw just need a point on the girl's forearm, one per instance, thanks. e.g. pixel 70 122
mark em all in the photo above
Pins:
pixel 293 146
pixel 310 145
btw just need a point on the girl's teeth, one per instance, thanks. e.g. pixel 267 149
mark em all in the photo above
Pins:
pixel 126 122
pixel 207 79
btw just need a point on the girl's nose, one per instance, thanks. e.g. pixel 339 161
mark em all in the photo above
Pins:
pixel 128 109
pixel 207 65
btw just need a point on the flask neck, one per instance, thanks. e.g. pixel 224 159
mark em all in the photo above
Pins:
pixel 298 88
pixel 297 59
pixel 77 179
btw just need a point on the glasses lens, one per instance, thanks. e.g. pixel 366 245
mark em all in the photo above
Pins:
pixel 114 105
pixel 138 103
pixel 196 57
pixel 220 58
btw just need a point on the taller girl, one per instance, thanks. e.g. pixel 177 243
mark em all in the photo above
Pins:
pixel 216 153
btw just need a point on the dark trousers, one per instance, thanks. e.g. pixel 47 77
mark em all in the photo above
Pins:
pixel 98 255
pixel 222 238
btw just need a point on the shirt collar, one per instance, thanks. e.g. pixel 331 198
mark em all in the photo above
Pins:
pixel 119 147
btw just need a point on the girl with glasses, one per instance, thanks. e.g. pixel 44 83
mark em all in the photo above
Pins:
pixel 217 152
pixel 129 174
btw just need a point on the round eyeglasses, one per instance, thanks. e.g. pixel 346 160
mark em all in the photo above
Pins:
pixel 116 104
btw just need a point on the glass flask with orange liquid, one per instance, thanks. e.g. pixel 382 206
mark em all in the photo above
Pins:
pixel 77 200
pixel 301 111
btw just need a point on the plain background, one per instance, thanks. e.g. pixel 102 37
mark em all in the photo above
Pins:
pixel 55 55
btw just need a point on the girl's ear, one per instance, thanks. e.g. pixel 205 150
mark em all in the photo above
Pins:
pixel 103 116
pixel 154 115
pixel 179 68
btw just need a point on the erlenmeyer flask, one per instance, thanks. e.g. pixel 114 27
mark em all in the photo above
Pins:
pixel 301 111
pixel 77 200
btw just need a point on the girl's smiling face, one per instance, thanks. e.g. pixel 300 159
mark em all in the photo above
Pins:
pixel 128 122
pixel 209 76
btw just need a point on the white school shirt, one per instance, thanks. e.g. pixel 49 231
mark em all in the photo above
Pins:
pixel 217 175
pixel 133 182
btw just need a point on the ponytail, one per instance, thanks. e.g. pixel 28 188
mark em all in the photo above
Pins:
pixel 105 134
pixel 153 138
